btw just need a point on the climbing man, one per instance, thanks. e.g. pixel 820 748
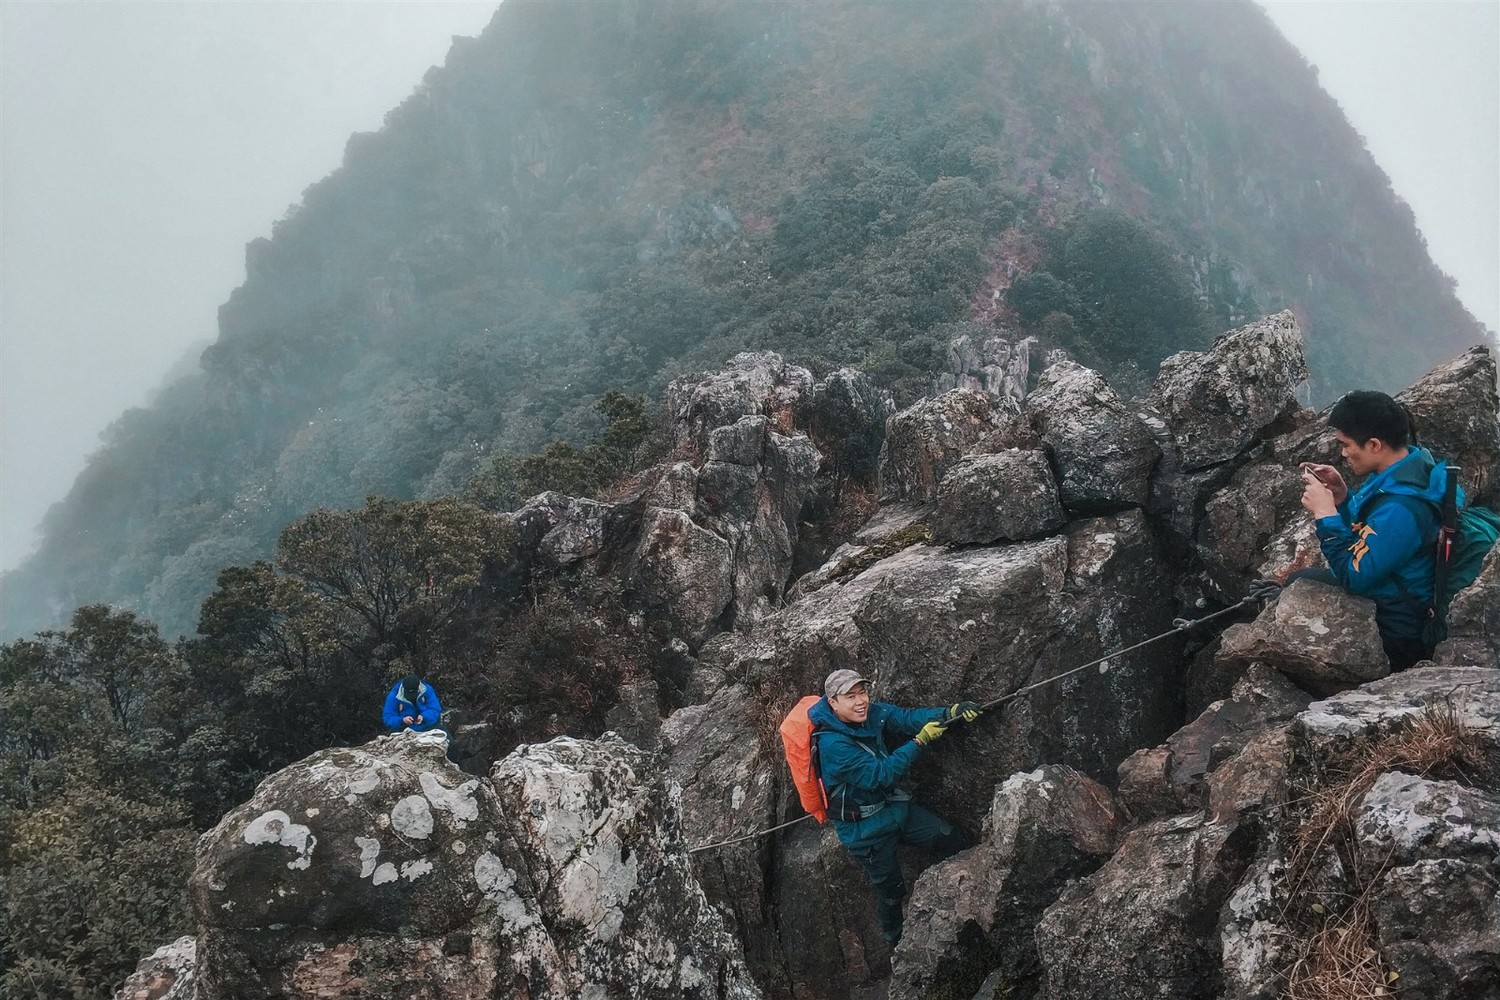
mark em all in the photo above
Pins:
pixel 1379 540
pixel 412 704
pixel 871 814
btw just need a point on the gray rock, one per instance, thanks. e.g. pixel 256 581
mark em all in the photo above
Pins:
pixel 636 717
pixel 1254 944
pixel 683 570
pixel 1174 778
pixel 676 489
pixel 615 893
pixel 1219 401
pixel 845 416
pixel 889 530
pixel 1438 923
pixel 1457 411
pixel 1243 524
pixel 1404 818
pixel 741 443
pixel 1381 706
pixel 924 440
pixel 974 913
pixel 1007 496
pixel 169 973
pixel 1104 451
pixel 1319 635
pixel 1144 926
pixel 751 384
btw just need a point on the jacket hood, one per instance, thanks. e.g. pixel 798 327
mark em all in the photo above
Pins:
pixel 821 714
pixel 1418 475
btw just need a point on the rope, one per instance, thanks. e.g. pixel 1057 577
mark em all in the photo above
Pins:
pixel 1259 592
pixel 752 836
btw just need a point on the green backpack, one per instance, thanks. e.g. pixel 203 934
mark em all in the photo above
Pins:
pixel 1465 537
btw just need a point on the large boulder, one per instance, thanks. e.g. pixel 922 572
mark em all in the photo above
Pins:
pixel 1144 925
pixel 1317 634
pixel 600 835
pixel 1457 412
pixel 1217 402
pixel 682 570
pixel 1430 850
pixel 845 416
pixel 1008 496
pixel 753 383
pixel 1377 708
pixel 751 492
pixel 1103 450
pixel 383 872
pixel 923 441
pixel 973 914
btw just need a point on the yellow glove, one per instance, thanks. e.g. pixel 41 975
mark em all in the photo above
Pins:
pixel 966 710
pixel 930 732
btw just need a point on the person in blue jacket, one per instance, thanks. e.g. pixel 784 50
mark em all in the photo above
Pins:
pixel 1379 540
pixel 871 813
pixel 412 704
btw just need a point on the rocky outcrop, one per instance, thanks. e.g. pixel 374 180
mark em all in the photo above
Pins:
pixel 1454 407
pixel 1319 635
pixel 923 441
pixel 382 870
pixel 1104 452
pixel 1030 537
pixel 994 365
pixel 752 384
pixel 1219 401
pixel 972 915
pixel 1006 497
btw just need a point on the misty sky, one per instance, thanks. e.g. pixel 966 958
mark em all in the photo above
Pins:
pixel 144 144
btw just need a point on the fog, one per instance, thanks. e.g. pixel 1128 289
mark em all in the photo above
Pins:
pixel 145 143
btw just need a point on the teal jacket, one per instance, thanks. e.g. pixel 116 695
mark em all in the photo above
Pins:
pixel 859 770
pixel 1381 543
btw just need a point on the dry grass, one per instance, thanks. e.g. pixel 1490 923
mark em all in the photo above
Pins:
pixel 1336 957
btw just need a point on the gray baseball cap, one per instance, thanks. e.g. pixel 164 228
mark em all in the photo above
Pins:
pixel 841 681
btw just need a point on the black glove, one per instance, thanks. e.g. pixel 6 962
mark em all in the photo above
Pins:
pixel 965 710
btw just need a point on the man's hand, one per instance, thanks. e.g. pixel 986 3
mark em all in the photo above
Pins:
pixel 966 710
pixel 406 720
pixel 420 719
pixel 1329 477
pixel 1317 498
pixel 930 732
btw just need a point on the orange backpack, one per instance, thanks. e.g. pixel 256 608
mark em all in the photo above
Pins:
pixel 802 758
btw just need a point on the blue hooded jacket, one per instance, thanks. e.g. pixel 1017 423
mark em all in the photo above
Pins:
pixel 1383 548
pixel 427 706
pixel 859 770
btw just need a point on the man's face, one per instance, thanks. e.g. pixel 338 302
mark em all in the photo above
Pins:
pixel 853 706
pixel 1362 458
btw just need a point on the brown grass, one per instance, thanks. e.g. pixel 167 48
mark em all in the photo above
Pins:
pixel 1336 957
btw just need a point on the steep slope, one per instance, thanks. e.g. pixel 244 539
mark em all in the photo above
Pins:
pixel 603 195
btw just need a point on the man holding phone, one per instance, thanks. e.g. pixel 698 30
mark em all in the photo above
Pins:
pixel 1379 540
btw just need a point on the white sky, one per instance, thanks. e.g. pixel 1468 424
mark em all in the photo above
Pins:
pixel 143 144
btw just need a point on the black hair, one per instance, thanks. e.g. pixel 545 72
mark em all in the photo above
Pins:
pixel 1365 414
pixel 411 686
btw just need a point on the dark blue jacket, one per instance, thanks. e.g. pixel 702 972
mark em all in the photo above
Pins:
pixel 427 706
pixel 1381 543
pixel 859 770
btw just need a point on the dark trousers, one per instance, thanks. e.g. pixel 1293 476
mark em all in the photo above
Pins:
pixel 1401 650
pixel 921 828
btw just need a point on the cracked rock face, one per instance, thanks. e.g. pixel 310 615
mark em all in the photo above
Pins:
pixel 923 441
pixel 1009 496
pixel 169 973
pixel 753 383
pixel 1218 401
pixel 1104 451
pixel 384 872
